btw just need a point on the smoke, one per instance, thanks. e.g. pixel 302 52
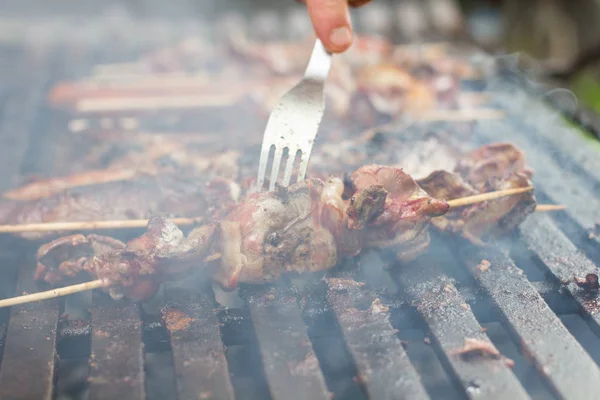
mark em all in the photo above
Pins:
pixel 111 24
pixel 531 73
pixel 517 84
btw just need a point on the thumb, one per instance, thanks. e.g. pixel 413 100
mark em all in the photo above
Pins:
pixel 331 20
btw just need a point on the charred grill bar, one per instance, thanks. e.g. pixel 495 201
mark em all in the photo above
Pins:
pixel 384 369
pixel 291 366
pixel 116 360
pixel 30 344
pixel 368 351
pixel 198 352
pixel 451 322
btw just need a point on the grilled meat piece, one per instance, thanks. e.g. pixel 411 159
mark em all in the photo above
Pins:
pixel 277 232
pixel 141 198
pixel 473 348
pixel 590 282
pixel 138 267
pixel 398 221
pixel 160 254
pixel 494 167
pixel 308 227
pixel 390 89
pixel 45 188
pixel 254 75
pixel 69 255
pixel 304 228
pixel 95 158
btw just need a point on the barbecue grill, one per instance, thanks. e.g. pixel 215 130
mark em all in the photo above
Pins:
pixel 335 340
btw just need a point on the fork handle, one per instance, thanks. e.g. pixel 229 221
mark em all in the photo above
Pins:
pixel 320 60
pixel 319 63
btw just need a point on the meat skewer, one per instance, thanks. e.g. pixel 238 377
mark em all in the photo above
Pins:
pixel 142 223
pixel 305 228
pixel 390 81
pixel 47 188
pixel 146 157
pixel 172 194
pixel 103 283
pixel 90 225
pixel 54 293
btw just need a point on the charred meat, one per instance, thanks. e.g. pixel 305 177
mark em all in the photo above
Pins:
pixel 304 228
pixel 170 195
pixel 310 226
pixel 493 167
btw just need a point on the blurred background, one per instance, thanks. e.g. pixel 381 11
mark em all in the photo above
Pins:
pixel 560 39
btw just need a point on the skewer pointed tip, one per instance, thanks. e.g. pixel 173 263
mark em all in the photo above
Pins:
pixel 550 207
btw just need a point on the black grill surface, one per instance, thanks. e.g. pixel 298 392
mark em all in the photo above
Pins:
pixel 283 343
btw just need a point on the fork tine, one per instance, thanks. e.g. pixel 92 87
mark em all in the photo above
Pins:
pixel 276 167
pixel 262 165
pixel 294 122
pixel 289 167
pixel 303 165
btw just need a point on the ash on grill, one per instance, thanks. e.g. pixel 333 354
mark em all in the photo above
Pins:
pixel 361 334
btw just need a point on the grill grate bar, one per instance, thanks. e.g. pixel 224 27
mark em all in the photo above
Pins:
pixel 29 356
pixel 19 106
pixel 198 353
pixel 29 361
pixel 562 258
pixel 569 369
pixel 291 367
pixel 384 369
pixel 451 320
pixel 117 360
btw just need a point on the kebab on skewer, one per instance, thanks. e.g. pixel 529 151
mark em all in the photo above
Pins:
pixel 308 227
pixel 391 81
pixel 172 194
pixel 170 158
pixel 497 166
pixel 110 154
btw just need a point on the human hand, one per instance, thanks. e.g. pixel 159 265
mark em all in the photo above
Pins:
pixel 331 21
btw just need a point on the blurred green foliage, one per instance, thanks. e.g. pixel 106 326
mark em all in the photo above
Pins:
pixel 586 87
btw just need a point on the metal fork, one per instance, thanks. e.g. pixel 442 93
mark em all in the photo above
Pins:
pixel 295 121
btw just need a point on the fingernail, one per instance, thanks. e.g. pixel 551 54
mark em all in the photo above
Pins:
pixel 341 37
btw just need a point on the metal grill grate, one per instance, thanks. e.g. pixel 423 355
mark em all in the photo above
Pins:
pixel 331 344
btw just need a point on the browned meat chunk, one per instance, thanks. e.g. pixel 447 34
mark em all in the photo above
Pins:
pixel 489 168
pixel 482 349
pixel 305 228
pixel 590 282
pixel 170 196
pixel 308 227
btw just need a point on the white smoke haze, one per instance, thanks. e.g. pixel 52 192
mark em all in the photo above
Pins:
pixel 528 101
pixel 117 24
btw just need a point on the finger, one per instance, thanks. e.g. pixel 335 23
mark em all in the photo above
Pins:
pixel 331 20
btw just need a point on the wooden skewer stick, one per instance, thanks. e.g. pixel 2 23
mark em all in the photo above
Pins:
pixel 54 293
pixel 99 105
pixel 142 223
pixel 550 207
pixel 478 198
pixel 89 225
pixel 67 290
